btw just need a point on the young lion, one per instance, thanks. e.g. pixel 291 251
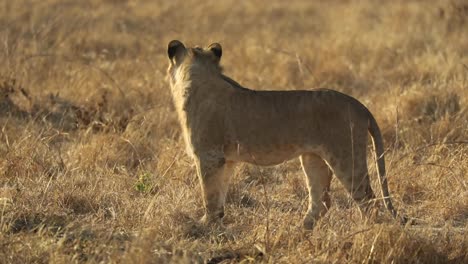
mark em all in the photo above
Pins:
pixel 224 123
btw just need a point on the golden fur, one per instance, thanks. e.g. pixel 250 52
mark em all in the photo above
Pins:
pixel 224 123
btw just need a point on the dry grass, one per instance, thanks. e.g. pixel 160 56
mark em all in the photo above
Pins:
pixel 92 167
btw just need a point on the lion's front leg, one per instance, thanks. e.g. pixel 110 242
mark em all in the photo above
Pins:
pixel 214 175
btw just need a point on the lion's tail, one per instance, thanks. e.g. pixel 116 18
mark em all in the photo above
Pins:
pixel 379 156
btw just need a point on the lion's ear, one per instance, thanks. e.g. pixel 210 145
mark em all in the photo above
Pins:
pixel 216 49
pixel 174 48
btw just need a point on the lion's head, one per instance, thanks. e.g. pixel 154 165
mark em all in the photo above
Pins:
pixel 193 59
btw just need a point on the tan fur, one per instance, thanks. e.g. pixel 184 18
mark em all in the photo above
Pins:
pixel 224 123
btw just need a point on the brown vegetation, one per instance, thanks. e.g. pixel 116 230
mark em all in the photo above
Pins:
pixel 93 169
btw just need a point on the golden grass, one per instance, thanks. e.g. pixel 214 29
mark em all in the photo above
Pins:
pixel 92 167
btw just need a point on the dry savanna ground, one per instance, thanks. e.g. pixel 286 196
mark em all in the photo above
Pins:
pixel 92 164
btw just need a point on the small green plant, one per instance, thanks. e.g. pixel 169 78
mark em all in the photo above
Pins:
pixel 144 183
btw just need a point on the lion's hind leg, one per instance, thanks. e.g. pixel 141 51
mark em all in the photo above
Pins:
pixel 318 178
pixel 353 174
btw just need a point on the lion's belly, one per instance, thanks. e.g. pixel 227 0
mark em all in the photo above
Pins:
pixel 263 155
pixel 265 144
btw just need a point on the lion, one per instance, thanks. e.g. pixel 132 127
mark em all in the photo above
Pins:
pixel 224 123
